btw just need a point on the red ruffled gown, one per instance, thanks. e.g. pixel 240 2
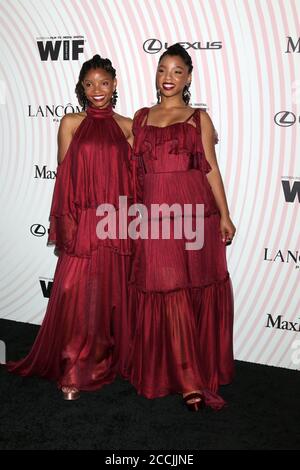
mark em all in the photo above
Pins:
pixel 83 339
pixel 180 301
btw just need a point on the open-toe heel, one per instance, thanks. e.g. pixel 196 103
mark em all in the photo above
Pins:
pixel 70 393
pixel 197 402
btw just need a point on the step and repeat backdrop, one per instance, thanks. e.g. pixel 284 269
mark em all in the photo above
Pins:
pixel 246 56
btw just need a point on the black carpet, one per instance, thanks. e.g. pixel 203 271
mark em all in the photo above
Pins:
pixel 263 412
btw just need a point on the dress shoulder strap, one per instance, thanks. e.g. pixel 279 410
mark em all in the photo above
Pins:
pixel 139 119
pixel 196 118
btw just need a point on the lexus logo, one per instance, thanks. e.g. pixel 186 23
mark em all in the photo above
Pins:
pixel 37 230
pixel 152 46
pixel 285 118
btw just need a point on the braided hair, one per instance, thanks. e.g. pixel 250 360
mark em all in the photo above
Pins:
pixel 97 62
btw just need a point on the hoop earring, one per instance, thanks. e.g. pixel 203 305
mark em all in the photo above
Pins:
pixel 158 96
pixel 186 94
pixel 114 98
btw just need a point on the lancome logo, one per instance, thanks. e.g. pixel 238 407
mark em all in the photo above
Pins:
pixel 283 256
pixel 53 110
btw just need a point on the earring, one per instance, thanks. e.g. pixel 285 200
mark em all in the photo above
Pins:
pixel 186 94
pixel 85 102
pixel 158 97
pixel 114 98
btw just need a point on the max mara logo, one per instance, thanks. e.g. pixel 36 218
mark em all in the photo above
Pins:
pixel 280 324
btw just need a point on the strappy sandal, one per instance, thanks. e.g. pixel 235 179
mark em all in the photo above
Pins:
pixel 70 393
pixel 194 405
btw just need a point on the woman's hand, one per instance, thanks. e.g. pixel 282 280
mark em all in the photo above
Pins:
pixel 227 229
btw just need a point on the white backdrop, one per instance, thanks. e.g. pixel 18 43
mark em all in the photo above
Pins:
pixel 246 70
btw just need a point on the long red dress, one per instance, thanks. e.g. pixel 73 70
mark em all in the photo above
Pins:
pixel 181 301
pixel 84 336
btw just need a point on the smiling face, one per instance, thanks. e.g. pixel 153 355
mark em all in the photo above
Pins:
pixel 172 75
pixel 98 87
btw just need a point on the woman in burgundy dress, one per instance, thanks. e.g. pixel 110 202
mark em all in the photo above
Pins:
pixel 82 343
pixel 181 301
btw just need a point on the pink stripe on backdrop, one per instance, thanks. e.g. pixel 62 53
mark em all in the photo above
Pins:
pixel 257 213
pixel 276 286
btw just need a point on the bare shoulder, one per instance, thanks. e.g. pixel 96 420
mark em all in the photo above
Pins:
pixel 205 118
pixel 70 118
pixel 125 123
pixel 68 125
pixel 208 130
pixel 206 122
pixel 71 121
pixel 124 119
pixel 138 112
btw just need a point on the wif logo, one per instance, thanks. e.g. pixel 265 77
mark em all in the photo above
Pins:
pixel 65 48
pixel 46 287
pixel 291 190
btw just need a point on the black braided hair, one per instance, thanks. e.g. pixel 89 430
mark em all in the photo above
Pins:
pixel 96 62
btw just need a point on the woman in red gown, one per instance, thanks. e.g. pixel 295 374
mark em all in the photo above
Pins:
pixel 82 343
pixel 181 301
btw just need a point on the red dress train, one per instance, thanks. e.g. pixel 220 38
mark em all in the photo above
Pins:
pixel 83 340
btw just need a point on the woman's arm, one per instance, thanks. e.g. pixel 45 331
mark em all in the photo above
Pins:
pixel 66 130
pixel 214 176
pixel 125 125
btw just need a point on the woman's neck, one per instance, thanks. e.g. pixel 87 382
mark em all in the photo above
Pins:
pixel 172 102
